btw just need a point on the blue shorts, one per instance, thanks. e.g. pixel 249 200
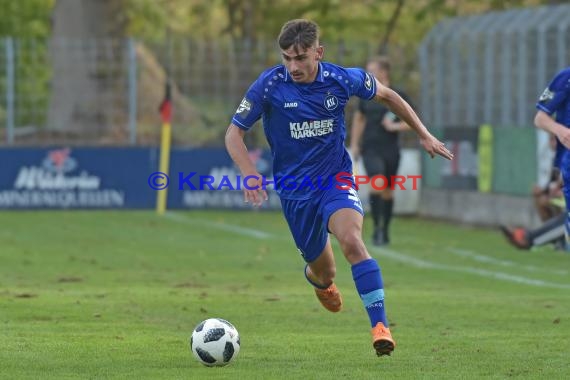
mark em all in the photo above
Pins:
pixel 308 219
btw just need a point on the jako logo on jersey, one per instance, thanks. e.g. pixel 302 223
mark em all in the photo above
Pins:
pixel 290 105
pixel 331 102
pixel 300 130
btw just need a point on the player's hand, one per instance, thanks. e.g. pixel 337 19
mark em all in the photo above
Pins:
pixel 254 191
pixel 433 146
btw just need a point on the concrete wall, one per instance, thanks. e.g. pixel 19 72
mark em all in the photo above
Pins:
pixel 478 208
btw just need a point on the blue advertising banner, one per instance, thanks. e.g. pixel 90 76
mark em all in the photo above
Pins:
pixel 61 178
pixel 101 178
pixel 207 178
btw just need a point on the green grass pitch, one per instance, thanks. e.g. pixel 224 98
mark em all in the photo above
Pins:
pixel 115 295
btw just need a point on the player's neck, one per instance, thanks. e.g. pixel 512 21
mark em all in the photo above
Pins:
pixel 311 79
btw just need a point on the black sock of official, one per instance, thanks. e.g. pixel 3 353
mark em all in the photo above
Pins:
pixel 387 215
pixel 550 231
pixel 376 204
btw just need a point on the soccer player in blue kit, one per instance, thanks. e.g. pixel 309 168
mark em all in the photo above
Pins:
pixel 302 104
pixel 556 100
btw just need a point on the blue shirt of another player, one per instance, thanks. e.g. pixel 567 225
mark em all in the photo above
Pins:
pixel 556 99
pixel 304 123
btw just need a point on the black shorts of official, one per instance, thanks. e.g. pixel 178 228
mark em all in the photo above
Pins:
pixel 382 164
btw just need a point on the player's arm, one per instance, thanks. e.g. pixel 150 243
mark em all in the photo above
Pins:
pixel 405 112
pixel 550 101
pixel 357 129
pixel 544 121
pixel 237 150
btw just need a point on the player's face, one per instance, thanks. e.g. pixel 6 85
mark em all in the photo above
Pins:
pixel 302 64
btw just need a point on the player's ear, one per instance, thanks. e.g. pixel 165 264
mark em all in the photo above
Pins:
pixel 320 52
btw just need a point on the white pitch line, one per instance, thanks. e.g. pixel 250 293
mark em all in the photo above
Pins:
pixel 388 253
pixel 420 263
pixel 244 231
pixel 506 263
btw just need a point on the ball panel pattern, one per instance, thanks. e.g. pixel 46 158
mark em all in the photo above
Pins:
pixel 205 356
pixel 228 351
pixel 214 334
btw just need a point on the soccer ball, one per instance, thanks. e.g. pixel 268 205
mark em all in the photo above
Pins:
pixel 215 342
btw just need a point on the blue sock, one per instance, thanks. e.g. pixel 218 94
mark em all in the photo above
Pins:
pixel 368 280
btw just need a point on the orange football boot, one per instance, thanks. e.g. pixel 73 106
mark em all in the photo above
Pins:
pixel 516 236
pixel 330 298
pixel 382 340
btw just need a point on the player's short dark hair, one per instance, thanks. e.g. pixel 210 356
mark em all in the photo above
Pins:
pixel 298 33
pixel 382 61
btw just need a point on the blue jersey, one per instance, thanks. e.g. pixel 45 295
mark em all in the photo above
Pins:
pixel 556 99
pixel 304 123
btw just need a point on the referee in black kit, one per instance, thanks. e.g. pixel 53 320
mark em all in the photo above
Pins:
pixel 375 137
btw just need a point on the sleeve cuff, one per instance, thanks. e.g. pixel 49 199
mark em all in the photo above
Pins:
pixel 239 125
pixel 544 109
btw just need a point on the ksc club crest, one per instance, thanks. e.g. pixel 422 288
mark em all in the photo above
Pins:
pixel 331 102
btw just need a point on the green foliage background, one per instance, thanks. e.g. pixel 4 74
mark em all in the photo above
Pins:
pixel 399 24
pixel 363 19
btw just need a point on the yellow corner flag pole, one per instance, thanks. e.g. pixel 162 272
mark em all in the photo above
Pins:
pixel 166 114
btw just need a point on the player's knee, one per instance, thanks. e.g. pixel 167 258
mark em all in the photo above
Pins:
pixel 352 245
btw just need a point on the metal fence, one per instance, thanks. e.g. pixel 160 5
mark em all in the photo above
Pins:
pixel 490 69
pixel 470 71
pixel 65 89
pixel 90 92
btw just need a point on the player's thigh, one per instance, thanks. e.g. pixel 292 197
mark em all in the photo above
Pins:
pixel 346 225
pixel 342 210
pixel 345 220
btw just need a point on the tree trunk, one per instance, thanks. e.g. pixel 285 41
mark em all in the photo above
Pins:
pixel 391 27
pixel 88 94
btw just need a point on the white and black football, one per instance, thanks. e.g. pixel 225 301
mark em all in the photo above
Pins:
pixel 215 342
